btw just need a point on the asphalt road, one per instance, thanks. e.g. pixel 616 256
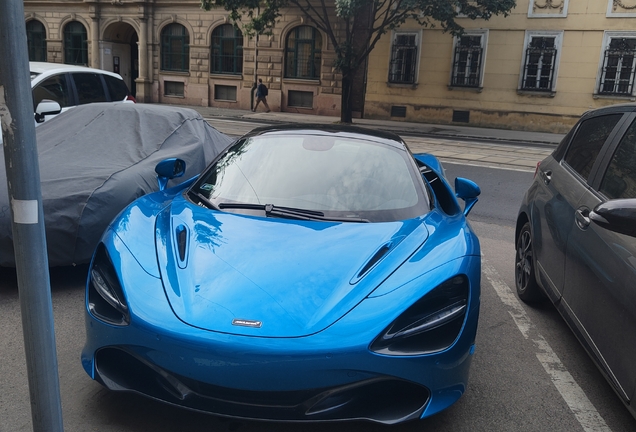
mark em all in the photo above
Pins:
pixel 529 372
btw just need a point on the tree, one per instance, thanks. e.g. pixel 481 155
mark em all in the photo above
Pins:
pixel 355 26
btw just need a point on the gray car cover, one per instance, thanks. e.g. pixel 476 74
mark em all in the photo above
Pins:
pixel 96 159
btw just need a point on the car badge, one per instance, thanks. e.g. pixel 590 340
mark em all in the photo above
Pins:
pixel 247 323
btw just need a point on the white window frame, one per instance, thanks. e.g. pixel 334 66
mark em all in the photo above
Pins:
pixel 607 37
pixel 563 14
pixel 418 50
pixel 484 46
pixel 558 42
pixel 612 14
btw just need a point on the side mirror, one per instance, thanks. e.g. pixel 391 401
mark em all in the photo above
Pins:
pixel 468 191
pixel 616 215
pixel 168 169
pixel 46 107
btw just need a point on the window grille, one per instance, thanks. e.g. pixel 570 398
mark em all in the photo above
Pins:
pixel 398 111
pixel 172 88
pixel 300 99
pixel 467 62
pixel 538 73
pixel 227 50
pixel 403 59
pixel 461 116
pixel 175 48
pixel 75 44
pixel 303 50
pixel 36 40
pixel 618 68
pixel 225 93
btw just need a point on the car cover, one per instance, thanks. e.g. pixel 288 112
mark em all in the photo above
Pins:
pixel 96 159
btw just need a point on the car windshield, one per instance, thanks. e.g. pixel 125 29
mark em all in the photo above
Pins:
pixel 338 177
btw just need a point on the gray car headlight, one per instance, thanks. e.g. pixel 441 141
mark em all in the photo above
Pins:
pixel 430 325
pixel 106 300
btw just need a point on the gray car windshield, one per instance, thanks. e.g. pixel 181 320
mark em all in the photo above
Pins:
pixel 338 177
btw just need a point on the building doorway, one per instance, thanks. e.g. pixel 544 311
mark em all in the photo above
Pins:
pixel 120 53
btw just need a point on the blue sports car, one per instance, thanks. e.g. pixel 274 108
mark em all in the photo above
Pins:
pixel 310 273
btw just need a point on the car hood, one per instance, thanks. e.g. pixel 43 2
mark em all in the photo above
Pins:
pixel 273 277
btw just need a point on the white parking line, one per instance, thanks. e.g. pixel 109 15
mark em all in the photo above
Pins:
pixel 570 391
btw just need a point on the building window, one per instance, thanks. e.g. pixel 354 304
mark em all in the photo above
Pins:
pixel 175 48
pixel 227 50
pixel 225 93
pixel 468 61
pixel 75 44
pixel 403 66
pixel 303 53
pixel 617 72
pixel 172 88
pixel 36 40
pixel 300 99
pixel 540 62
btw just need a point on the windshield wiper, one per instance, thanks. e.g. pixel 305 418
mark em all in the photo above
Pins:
pixel 289 212
pixel 203 200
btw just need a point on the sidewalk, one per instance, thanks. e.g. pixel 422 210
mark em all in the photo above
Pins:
pixel 451 143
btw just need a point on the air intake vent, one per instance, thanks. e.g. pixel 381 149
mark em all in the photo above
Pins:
pixel 372 262
pixel 181 234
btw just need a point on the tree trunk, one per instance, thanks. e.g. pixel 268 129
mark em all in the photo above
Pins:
pixel 346 106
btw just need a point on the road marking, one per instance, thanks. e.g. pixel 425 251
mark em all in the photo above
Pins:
pixel 570 391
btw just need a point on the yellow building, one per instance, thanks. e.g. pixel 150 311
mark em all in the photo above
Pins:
pixel 538 69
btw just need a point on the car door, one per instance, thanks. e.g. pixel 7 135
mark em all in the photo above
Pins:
pixel 600 280
pixel 560 185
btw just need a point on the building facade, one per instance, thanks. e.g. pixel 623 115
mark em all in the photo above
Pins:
pixel 538 69
pixel 175 52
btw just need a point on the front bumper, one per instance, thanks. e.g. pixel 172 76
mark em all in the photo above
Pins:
pixel 330 375
pixel 381 399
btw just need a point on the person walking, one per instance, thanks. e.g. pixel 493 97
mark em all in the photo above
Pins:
pixel 261 95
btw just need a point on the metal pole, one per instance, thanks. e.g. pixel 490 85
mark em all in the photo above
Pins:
pixel 23 179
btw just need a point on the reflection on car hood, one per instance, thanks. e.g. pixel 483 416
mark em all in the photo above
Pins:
pixel 273 277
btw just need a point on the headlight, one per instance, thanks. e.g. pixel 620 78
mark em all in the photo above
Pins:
pixel 431 324
pixel 106 300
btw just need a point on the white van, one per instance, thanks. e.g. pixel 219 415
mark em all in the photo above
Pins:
pixel 58 87
pixel 70 86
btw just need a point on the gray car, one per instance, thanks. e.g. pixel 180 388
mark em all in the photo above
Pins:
pixel 576 240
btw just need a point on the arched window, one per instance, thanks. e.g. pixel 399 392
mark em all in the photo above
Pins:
pixel 227 50
pixel 36 40
pixel 75 44
pixel 175 48
pixel 303 53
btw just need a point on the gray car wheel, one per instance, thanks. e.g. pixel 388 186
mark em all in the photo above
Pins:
pixel 527 287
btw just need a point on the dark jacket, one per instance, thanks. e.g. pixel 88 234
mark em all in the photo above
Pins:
pixel 261 91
